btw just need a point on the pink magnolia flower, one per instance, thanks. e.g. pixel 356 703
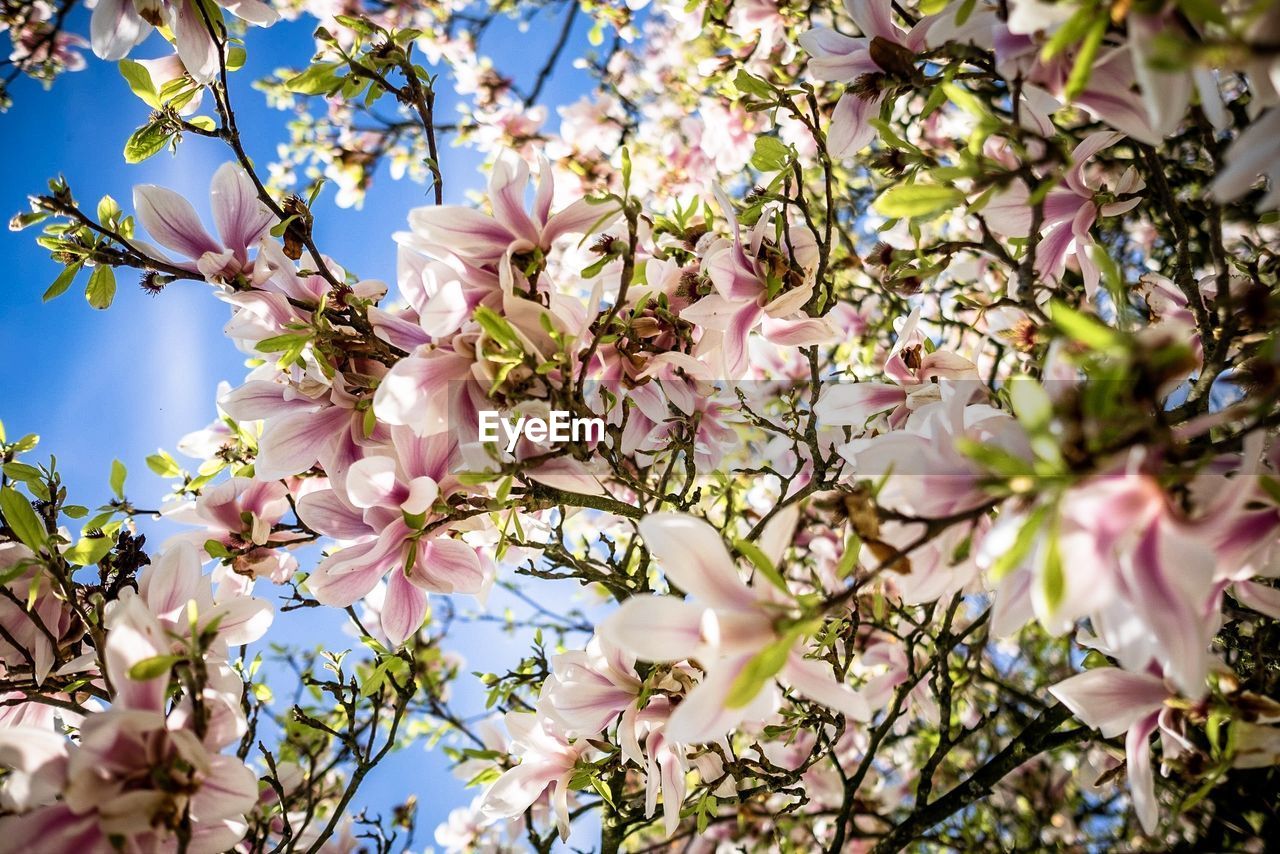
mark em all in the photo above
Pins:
pixel 914 372
pixel 1255 153
pixel 241 514
pixel 173 588
pixel 137 772
pixel 1115 701
pixel 298 431
pixel 481 239
pixel 837 57
pixel 386 504
pixel 724 625
pixel 547 761
pixel 118 26
pixel 30 632
pixel 1109 94
pixel 1070 211
pixel 241 217
pixel 588 688
pixel 741 272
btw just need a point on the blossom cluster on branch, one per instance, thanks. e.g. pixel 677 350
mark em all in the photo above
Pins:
pixel 938 495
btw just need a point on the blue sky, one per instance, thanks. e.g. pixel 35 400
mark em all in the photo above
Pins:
pixel 98 385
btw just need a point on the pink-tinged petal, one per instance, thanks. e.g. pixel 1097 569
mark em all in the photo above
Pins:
pixel 253 11
pixel 1110 699
pixel 1012 609
pixel 1051 254
pixel 854 403
pixel 704 715
pixel 507 183
pixel 1008 213
pixel 347 577
pixel 462 231
pixel 713 311
pixel 116 27
pixel 53 828
pixel 734 342
pixel 1142 783
pixel 423 492
pixel 327 512
pixel 836 57
pixel 851 129
pixel 259 399
pixel 814 681
pixel 403 610
pixel 798 332
pixel 1121 109
pixel 1088 148
pixel 193 41
pixel 172 581
pixel 1259 597
pixel 240 216
pixel 292 444
pixel 372 482
pixel 172 221
pixel 446 565
pixel 656 628
pixel 423 457
pixel 1169 579
pixel 229 790
pixel 517 789
pixel 874 18
pixel 586 707
pixel 445 310
pixel 693 556
pixel 416 391
pixel 1166 94
pixel 36 759
pixel 241 620
pixel 134 635
pixel 569 474
pixel 395 329
pixel 581 217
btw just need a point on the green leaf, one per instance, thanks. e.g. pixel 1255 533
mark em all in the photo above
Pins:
pixel 118 474
pixel 1085 329
pixel 1071 32
pixel 23 472
pixel 101 289
pixel 849 558
pixel 763 565
pixel 759 670
pixel 88 551
pixel 281 343
pixel 1021 547
pixel 139 80
pixel 749 85
pixel 146 142
pixel 235 58
pixel 150 668
pixel 19 516
pixel 163 464
pixel 1083 69
pixel 917 200
pixel 318 79
pixel 771 154
pixel 1030 403
pixel 1052 583
pixel 60 284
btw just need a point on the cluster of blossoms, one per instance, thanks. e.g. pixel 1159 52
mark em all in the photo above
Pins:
pixel 934 348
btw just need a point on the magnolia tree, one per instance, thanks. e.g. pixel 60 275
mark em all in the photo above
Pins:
pixel 871 406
